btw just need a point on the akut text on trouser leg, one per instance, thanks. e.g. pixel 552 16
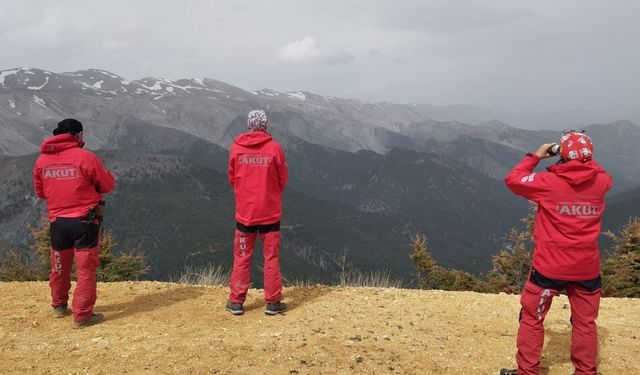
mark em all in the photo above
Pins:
pixel 243 245
pixel 535 302
pixel 60 276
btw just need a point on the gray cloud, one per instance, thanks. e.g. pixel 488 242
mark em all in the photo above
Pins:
pixel 338 57
pixel 525 56
pixel 444 17
pixel 306 50
pixel 299 51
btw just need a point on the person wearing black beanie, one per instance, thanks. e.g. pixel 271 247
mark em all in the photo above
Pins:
pixel 68 125
pixel 72 181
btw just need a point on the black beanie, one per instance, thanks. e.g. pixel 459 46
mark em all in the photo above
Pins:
pixel 68 125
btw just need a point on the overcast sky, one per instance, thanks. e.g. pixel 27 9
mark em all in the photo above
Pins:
pixel 518 56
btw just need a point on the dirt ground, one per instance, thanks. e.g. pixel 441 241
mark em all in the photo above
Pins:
pixel 160 328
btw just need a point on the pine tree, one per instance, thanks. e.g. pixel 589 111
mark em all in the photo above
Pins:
pixel 41 248
pixel 120 267
pixel 430 275
pixel 512 263
pixel 422 258
pixel 15 267
pixel 621 270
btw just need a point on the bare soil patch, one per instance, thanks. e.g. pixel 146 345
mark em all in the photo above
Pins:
pixel 161 328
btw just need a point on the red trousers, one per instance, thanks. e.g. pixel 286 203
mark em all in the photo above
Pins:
pixel 84 296
pixel 243 245
pixel 535 302
pixel 74 237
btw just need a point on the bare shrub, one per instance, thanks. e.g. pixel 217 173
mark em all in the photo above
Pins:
pixel 211 275
pixel 298 282
pixel 373 279
pixel 348 275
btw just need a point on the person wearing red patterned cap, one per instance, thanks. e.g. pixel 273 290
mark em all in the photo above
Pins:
pixel 570 197
pixel 258 174
pixel 72 181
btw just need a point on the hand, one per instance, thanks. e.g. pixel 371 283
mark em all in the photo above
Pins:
pixel 543 151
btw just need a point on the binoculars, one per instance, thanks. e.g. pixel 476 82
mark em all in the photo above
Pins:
pixel 554 149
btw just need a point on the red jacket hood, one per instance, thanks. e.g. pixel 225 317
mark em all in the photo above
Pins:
pixel 252 138
pixel 59 143
pixel 576 172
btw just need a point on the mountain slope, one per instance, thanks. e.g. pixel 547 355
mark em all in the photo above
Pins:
pixel 464 213
pixel 558 120
pixel 446 211
pixel 33 100
pixel 621 208
pixel 170 137
pixel 178 213
pixel 443 197
pixel 201 107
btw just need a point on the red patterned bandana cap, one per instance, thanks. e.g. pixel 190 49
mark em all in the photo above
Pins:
pixel 576 146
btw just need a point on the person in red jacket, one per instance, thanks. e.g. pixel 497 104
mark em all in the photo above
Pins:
pixel 258 174
pixel 72 181
pixel 570 198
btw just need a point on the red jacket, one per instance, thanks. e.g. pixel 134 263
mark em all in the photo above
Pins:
pixel 258 174
pixel 70 179
pixel 570 199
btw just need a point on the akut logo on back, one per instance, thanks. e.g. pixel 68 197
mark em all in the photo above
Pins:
pixel 61 172
pixel 578 209
pixel 254 159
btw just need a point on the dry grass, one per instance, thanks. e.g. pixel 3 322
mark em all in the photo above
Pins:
pixel 373 279
pixel 211 275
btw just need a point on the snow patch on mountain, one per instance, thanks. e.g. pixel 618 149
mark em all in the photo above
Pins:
pixel 39 87
pixel 297 95
pixel 176 86
pixel 86 86
pixel 6 73
pixel 98 84
pixel 155 87
pixel 269 92
pixel 39 101
pixel 108 74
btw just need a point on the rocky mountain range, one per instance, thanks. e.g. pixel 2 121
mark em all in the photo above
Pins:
pixel 558 120
pixel 364 176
